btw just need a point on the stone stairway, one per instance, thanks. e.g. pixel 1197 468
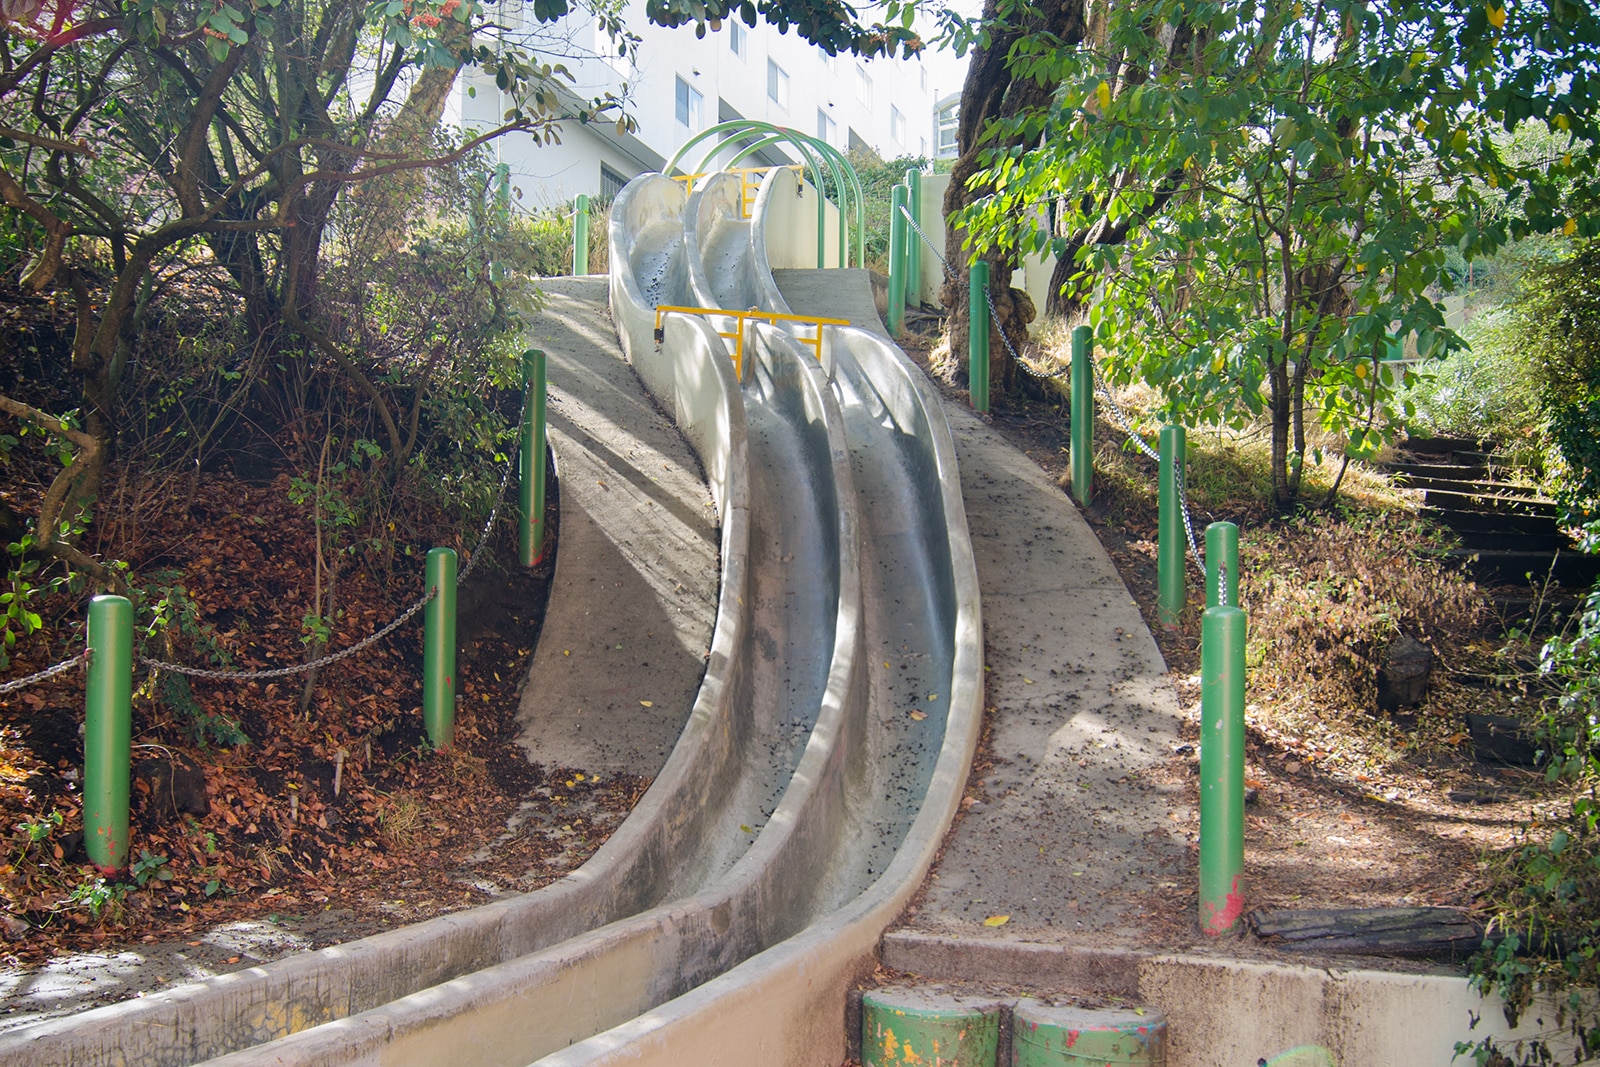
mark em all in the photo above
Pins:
pixel 1509 533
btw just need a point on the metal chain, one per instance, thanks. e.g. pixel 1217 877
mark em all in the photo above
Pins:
pixel 371 639
pixel 284 672
pixel 936 253
pixel 1183 492
pixel 1195 556
pixel 988 296
pixel 49 672
pixel 500 498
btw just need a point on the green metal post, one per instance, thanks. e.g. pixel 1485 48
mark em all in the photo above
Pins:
pixel 108 727
pixel 913 242
pixel 897 261
pixel 1222 562
pixel 439 649
pixel 502 191
pixel 1222 635
pixel 580 236
pixel 532 467
pixel 1169 529
pixel 1082 458
pixel 978 335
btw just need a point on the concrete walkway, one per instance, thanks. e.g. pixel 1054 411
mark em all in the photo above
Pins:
pixel 1071 832
pixel 631 611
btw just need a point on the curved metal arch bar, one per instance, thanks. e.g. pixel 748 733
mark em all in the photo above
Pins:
pixel 806 144
pixel 837 162
pixel 775 133
pixel 838 179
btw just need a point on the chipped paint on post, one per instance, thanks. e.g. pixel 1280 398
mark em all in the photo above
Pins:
pixel 913 1028
pixel 1045 1035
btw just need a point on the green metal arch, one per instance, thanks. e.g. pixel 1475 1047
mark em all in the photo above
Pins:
pixel 838 179
pixel 806 145
pixel 838 162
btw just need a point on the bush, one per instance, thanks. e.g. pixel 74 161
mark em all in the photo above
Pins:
pixel 1557 322
pixel 1489 390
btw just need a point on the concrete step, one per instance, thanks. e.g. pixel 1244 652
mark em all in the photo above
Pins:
pixel 1514 541
pixel 1470 486
pixel 1441 446
pixel 1487 502
pixel 1510 565
pixel 1468 471
pixel 1465 522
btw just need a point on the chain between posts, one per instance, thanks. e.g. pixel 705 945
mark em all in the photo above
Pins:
pixel 360 646
pixel 49 672
pixel 1196 558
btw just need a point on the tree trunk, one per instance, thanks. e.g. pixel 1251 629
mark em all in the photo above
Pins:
pixel 992 93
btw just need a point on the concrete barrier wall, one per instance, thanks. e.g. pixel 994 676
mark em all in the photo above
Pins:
pixel 1226 1013
pixel 790 222
pixel 1035 267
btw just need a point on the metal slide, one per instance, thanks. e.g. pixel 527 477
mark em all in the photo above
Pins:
pixel 819 768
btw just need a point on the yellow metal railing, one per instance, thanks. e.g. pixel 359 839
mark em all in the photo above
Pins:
pixel 737 336
pixel 748 188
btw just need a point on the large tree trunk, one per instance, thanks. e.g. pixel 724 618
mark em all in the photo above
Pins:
pixel 992 93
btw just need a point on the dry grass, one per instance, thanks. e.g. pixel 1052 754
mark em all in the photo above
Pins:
pixel 1327 590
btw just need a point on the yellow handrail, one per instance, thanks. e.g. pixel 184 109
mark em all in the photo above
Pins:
pixel 760 316
pixel 747 188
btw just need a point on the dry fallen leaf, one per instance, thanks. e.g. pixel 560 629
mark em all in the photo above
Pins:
pixel 997 920
pixel 646 704
pixel 918 714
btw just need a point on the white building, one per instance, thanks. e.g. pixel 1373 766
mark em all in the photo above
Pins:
pixel 677 85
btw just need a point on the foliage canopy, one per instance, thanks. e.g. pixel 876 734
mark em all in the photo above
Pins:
pixel 1271 195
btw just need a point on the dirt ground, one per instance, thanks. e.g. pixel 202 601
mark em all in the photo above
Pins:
pixel 1321 831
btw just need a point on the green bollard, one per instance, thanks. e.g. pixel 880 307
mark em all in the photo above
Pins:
pixel 978 335
pixel 532 467
pixel 439 649
pixel 1222 635
pixel 897 261
pixel 580 236
pixel 1169 530
pixel 1082 458
pixel 913 242
pixel 1222 553
pixel 108 728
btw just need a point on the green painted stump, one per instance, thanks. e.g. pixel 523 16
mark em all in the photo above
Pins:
pixel 918 1028
pixel 1046 1036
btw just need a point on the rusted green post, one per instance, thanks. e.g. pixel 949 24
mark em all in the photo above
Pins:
pixel 108 729
pixel 580 236
pixel 978 335
pixel 1222 635
pixel 897 261
pixel 1222 565
pixel 532 470
pixel 1082 458
pixel 1169 529
pixel 913 242
pixel 439 649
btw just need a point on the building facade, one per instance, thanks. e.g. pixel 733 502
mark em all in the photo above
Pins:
pixel 676 85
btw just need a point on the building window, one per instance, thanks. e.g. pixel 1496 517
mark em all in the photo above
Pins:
pixel 922 147
pixel 777 85
pixel 923 74
pixel 688 105
pixel 611 184
pixel 827 129
pixel 897 125
pixel 863 85
pixel 949 117
pixel 736 36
